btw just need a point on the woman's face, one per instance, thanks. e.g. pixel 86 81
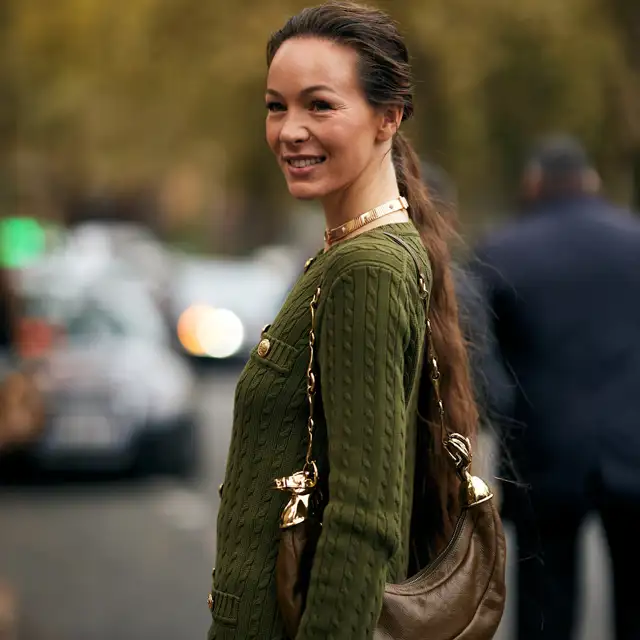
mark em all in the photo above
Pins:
pixel 322 130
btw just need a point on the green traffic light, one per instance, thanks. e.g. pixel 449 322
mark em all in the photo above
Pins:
pixel 22 240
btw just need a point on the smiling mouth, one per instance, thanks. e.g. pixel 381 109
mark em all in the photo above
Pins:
pixel 301 163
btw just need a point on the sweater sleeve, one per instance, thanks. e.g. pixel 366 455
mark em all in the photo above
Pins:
pixel 364 330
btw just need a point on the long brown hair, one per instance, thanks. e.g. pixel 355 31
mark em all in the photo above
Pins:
pixel 386 79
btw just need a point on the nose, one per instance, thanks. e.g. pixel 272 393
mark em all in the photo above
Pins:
pixel 294 130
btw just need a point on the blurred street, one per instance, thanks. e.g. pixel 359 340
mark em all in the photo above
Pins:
pixel 131 559
pixel 123 559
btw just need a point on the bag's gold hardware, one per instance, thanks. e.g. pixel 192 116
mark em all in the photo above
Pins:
pixel 473 490
pixel 296 511
pixel 300 482
pixel 300 486
pixel 264 347
pixel 210 601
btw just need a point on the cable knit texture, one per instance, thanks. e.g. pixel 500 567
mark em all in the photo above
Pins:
pixel 371 329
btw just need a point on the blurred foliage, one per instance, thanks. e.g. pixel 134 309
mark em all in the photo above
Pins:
pixel 119 96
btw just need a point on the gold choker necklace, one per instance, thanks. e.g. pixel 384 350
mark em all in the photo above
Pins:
pixel 337 233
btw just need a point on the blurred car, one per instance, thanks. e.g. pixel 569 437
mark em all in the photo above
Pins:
pixel 117 396
pixel 220 305
pixel 130 243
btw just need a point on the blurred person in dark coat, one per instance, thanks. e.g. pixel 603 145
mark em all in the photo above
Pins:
pixel 564 286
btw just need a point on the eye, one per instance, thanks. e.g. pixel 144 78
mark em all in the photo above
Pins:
pixel 320 105
pixel 275 106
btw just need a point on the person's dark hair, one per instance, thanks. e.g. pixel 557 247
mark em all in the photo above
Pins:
pixel 386 78
pixel 558 166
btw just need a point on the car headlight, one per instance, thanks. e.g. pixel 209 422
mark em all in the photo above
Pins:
pixel 207 331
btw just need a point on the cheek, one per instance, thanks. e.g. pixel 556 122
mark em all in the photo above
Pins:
pixel 272 131
pixel 353 146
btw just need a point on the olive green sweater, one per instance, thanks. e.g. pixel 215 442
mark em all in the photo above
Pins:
pixel 371 330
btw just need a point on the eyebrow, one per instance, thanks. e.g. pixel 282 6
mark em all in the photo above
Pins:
pixel 304 92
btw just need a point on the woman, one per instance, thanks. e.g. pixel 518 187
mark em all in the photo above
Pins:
pixel 338 88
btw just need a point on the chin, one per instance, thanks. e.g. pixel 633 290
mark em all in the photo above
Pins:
pixel 306 191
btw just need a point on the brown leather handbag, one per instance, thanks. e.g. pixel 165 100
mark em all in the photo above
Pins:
pixel 461 594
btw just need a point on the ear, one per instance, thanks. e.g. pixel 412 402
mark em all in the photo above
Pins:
pixel 531 182
pixel 591 181
pixel 390 119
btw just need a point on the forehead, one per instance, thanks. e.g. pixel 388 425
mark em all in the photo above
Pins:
pixel 303 62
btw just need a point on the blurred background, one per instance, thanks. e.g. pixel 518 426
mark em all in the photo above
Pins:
pixel 146 237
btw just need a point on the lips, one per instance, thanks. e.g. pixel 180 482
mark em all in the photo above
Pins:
pixel 302 167
pixel 302 162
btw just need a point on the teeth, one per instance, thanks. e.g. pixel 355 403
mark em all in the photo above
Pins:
pixel 307 162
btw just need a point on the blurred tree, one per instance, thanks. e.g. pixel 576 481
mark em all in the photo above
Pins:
pixel 8 107
pixel 118 96
pixel 626 17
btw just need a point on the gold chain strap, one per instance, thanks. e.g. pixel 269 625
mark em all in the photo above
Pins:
pixel 300 486
pixel 457 446
pixel 309 464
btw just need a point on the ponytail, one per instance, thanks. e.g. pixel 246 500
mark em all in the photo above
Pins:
pixel 436 501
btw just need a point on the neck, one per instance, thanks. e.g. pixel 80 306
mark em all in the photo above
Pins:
pixel 369 191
